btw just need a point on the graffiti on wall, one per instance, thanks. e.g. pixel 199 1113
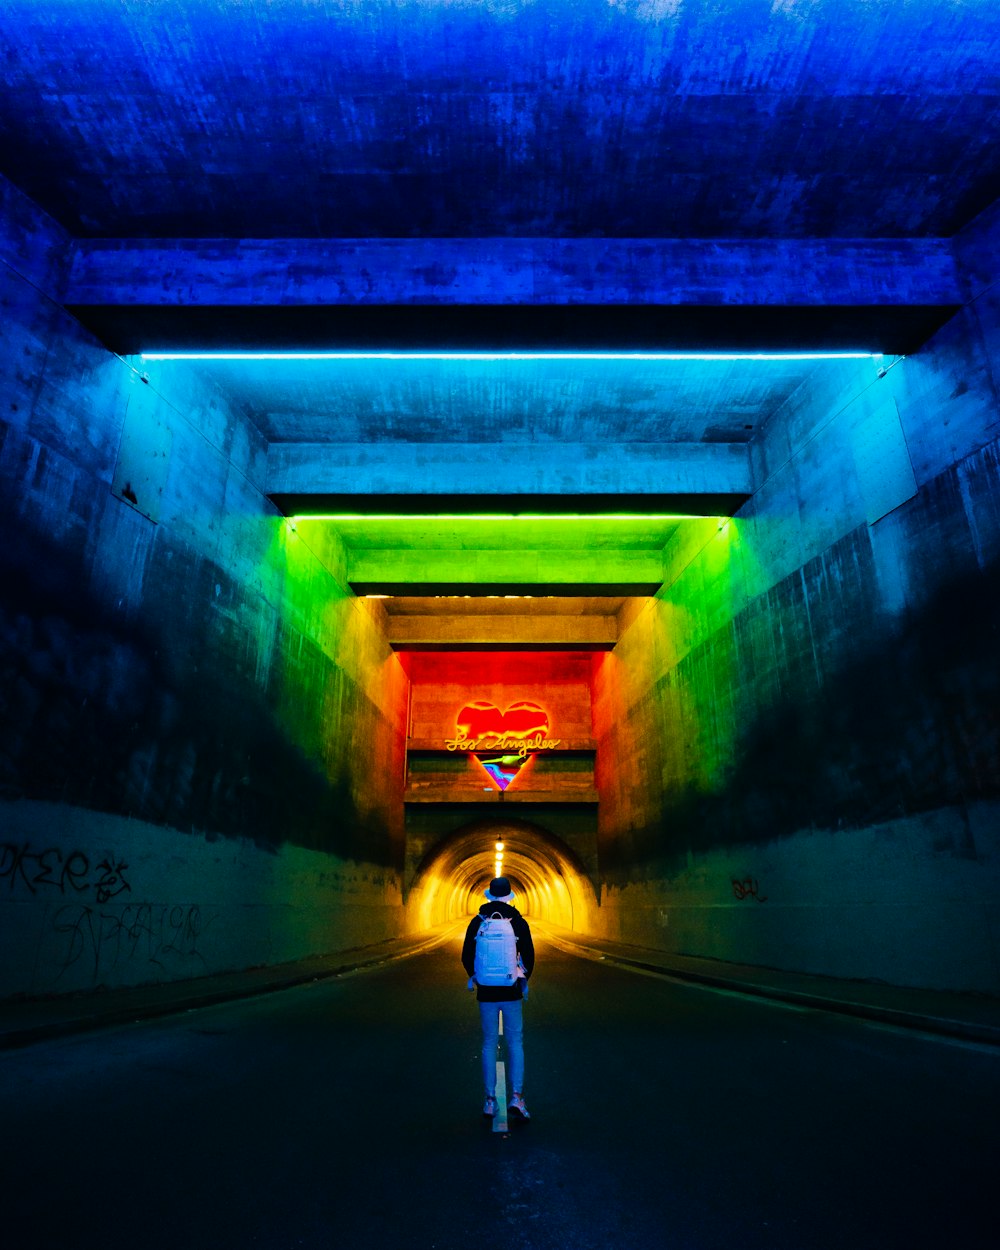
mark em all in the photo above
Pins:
pixel 52 869
pixel 96 941
pixel 100 930
pixel 749 887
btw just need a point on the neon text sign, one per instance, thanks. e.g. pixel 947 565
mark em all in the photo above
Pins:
pixel 481 726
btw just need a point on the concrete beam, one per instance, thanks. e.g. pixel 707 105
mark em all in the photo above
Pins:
pixel 428 571
pixel 462 794
pixel 506 632
pixel 491 470
pixel 878 294
pixel 374 272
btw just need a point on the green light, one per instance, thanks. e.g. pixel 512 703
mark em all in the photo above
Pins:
pixel 494 516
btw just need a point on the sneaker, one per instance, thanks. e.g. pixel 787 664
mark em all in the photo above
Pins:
pixel 517 1104
pixel 490 1106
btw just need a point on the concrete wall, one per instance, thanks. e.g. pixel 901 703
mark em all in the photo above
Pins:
pixel 798 741
pixel 202 732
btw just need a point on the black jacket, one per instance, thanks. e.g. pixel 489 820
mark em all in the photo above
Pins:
pixel 525 948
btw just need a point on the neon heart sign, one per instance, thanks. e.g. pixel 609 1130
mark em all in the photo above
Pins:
pixel 478 719
pixel 482 726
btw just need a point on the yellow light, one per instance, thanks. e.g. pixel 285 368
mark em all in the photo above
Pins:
pixel 499 846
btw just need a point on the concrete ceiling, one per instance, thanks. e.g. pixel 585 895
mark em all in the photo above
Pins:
pixel 365 535
pixel 513 622
pixel 485 118
pixel 514 566
pixel 513 605
pixel 546 401
pixel 497 175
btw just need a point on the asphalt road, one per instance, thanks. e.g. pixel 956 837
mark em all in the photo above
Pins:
pixel 347 1113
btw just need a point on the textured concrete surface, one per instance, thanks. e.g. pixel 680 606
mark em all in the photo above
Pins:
pixel 666 120
pixel 814 689
pixel 886 294
pixel 188 689
pixel 544 401
pixel 642 469
pixel 282 272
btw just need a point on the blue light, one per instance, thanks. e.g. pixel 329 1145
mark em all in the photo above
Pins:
pixel 488 356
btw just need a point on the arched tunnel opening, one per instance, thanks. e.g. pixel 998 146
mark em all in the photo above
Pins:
pixel 550 882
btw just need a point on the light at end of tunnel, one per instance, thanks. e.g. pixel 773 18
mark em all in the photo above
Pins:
pixel 499 846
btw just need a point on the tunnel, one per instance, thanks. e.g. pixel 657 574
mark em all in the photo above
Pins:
pixel 401 456
pixel 548 880
pixel 450 440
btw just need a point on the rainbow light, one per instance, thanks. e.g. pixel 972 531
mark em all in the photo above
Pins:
pixel 503 768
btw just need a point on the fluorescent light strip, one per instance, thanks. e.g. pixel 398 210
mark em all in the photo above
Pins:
pixel 497 356
pixel 409 518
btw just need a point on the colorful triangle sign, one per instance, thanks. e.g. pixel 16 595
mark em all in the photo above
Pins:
pixel 501 768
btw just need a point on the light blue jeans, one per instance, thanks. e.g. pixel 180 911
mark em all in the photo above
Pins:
pixel 513 1033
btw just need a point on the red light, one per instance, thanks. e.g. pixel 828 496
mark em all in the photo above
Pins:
pixel 482 719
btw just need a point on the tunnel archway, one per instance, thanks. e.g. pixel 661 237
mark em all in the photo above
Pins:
pixel 549 880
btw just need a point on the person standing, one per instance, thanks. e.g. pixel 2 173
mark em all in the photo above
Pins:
pixel 508 999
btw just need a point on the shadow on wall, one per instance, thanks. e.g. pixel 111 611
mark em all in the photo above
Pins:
pixel 146 713
pixel 911 724
pixel 549 881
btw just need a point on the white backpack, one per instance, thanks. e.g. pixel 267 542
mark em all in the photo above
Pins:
pixel 496 952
